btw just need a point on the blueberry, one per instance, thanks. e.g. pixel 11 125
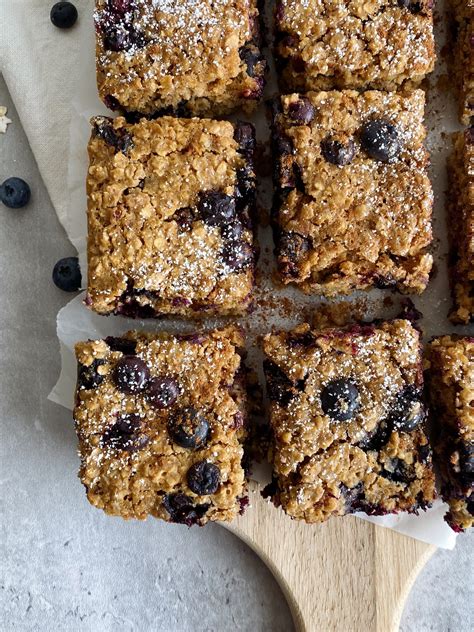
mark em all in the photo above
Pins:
pixel 301 111
pixel 380 139
pixel 412 5
pixel 352 497
pixel 244 135
pixel 184 217
pixel 397 471
pixel 120 139
pixel 124 345
pixel 63 15
pixel 67 274
pixel 131 374
pixel 15 193
pixel 377 438
pixel 283 145
pixel 119 6
pixel 292 248
pixel 88 376
pixel 162 392
pixel 216 208
pixel 407 411
pixel 232 232
pixel 204 478
pixel 279 386
pixel 125 434
pixel 189 428
pixel 338 153
pixel 251 57
pixel 237 255
pixel 182 509
pixel 340 399
pixel 466 461
pixel 117 39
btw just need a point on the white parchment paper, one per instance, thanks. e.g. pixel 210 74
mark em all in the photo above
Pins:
pixel 275 307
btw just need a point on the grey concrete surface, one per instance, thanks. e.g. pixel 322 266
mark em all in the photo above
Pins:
pixel 67 567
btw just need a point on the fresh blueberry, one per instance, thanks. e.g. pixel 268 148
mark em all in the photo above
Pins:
pixel 380 139
pixel 204 478
pixel 63 15
pixel 162 392
pixel 125 434
pixel 279 386
pixel 182 510
pixel 88 376
pixel 338 153
pixel 340 399
pixel 67 274
pixel 216 208
pixel 124 345
pixel 407 411
pixel 301 111
pixel 15 193
pixel 189 428
pixel 131 374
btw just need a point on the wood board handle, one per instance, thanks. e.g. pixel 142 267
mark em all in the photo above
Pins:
pixel 347 575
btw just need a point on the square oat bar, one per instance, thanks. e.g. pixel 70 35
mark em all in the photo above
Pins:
pixel 161 420
pixel 200 57
pixel 336 44
pixel 347 417
pixel 353 200
pixel 450 382
pixel 169 217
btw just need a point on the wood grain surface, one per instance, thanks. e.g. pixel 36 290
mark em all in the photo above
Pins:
pixel 346 575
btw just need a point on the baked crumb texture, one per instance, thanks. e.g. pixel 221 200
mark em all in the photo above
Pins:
pixel 463 56
pixel 461 226
pixel 450 379
pixel 170 205
pixel 336 44
pixel 200 57
pixel 348 420
pixel 363 222
pixel 158 416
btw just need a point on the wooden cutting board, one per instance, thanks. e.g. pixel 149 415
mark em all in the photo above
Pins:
pixel 347 575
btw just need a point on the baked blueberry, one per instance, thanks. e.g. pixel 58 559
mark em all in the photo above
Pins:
pixel 131 374
pixel 412 5
pixel 338 153
pixel 204 478
pixel 182 510
pixel 466 461
pixel 301 111
pixel 88 376
pixel 63 15
pixel 184 217
pixel 398 471
pixel 340 399
pixel 189 428
pixel 407 411
pixel 279 386
pixel 124 345
pixel 216 208
pixel 380 139
pixel 292 247
pixel 244 135
pixel 117 39
pixel 67 274
pixel 119 139
pixel 251 57
pixel 15 193
pixel 125 434
pixel 237 255
pixel 162 392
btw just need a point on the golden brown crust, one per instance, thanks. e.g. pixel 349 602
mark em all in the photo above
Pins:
pixel 336 44
pixel 135 483
pixel 450 381
pixel 143 179
pixel 365 224
pixel 461 226
pixel 200 58
pixel 371 461
pixel 463 61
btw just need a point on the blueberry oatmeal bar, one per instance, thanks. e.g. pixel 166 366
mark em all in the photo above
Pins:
pixel 450 380
pixel 169 217
pixel 199 57
pixel 347 416
pixel 463 56
pixel 461 226
pixel 353 201
pixel 161 420
pixel 327 44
